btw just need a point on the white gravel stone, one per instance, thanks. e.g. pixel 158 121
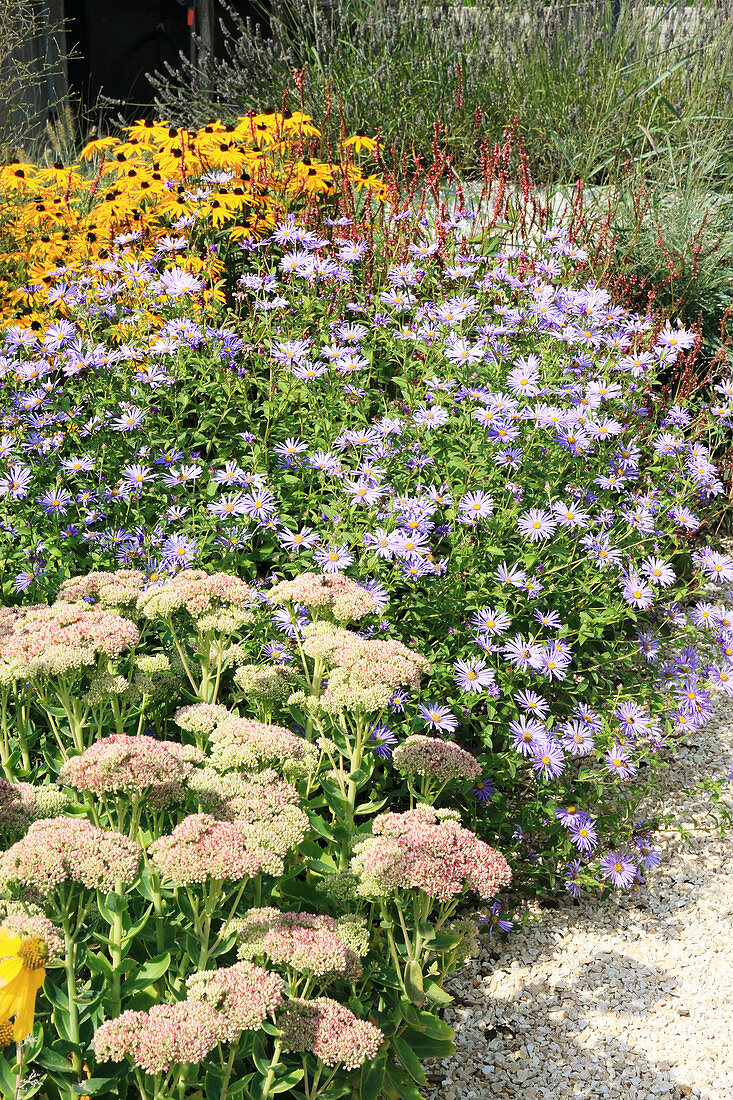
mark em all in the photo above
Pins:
pixel 631 998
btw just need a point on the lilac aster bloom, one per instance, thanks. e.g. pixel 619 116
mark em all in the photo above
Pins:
pixel 294 541
pixel 129 420
pixel 488 621
pixel 437 718
pixel 176 282
pixel 577 738
pixel 583 834
pixel 55 502
pixel 476 505
pixel 618 763
pixel 532 703
pixel 619 867
pixel 473 675
pixel 537 525
pixel 522 654
pixel 383 738
pixel 548 759
pixel 179 551
pixel 526 733
pixel 333 560
pixel 496 920
pixel 637 592
pixel 572 878
pixel 483 790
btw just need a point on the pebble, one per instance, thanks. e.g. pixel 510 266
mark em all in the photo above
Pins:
pixel 627 999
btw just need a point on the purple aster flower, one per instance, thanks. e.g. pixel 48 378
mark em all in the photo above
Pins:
pixel 383 738
pixel 532 703
pixel 496 920
pixel 332 559
pixel 583 834
pixel 55 502
pixel 577 738
pixel 537 525
pixel 437 718
pixel 488 621
pixel 473 675
pixel 572 878
pixel 618 763
pixel 548 759
pixel 619 867
pixel 398 700
pixel 483 790
pixel 526 733
pixel 179 551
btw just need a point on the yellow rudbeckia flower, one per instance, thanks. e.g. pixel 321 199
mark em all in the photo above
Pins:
pixel 22 973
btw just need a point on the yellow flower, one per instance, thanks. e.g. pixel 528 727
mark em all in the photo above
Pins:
pixel 360 141
pixel 22 973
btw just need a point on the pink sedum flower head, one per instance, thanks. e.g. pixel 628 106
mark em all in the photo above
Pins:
pixel 113 589
pixel 307 942
pixel 364 673
pixel 244 995
pixel 330 1031
pixel 166 1036
pixel 196 592
pixel 246 743
pixel 431 756
pixel 200 717
pixel 201 848
pixel 65 638
pixel 130 764
pixel 427 849
pixel 346 600
pixel 68 849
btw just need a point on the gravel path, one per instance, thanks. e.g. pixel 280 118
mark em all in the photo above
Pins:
pixel 629 999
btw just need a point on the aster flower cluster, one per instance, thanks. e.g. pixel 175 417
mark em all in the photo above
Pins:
pixel 427 849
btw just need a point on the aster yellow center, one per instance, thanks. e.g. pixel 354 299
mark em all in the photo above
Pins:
pixel 6 1033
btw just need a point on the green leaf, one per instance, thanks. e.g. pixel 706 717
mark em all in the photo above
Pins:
pixel 288 1081
pixel 404 1087
pixel 409 1059
pixel 414 986
pixel 54 1060
pixel 148 973
pixel 435 993
pixel 372 1078
pixel 426 1021
pixel 95 1085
